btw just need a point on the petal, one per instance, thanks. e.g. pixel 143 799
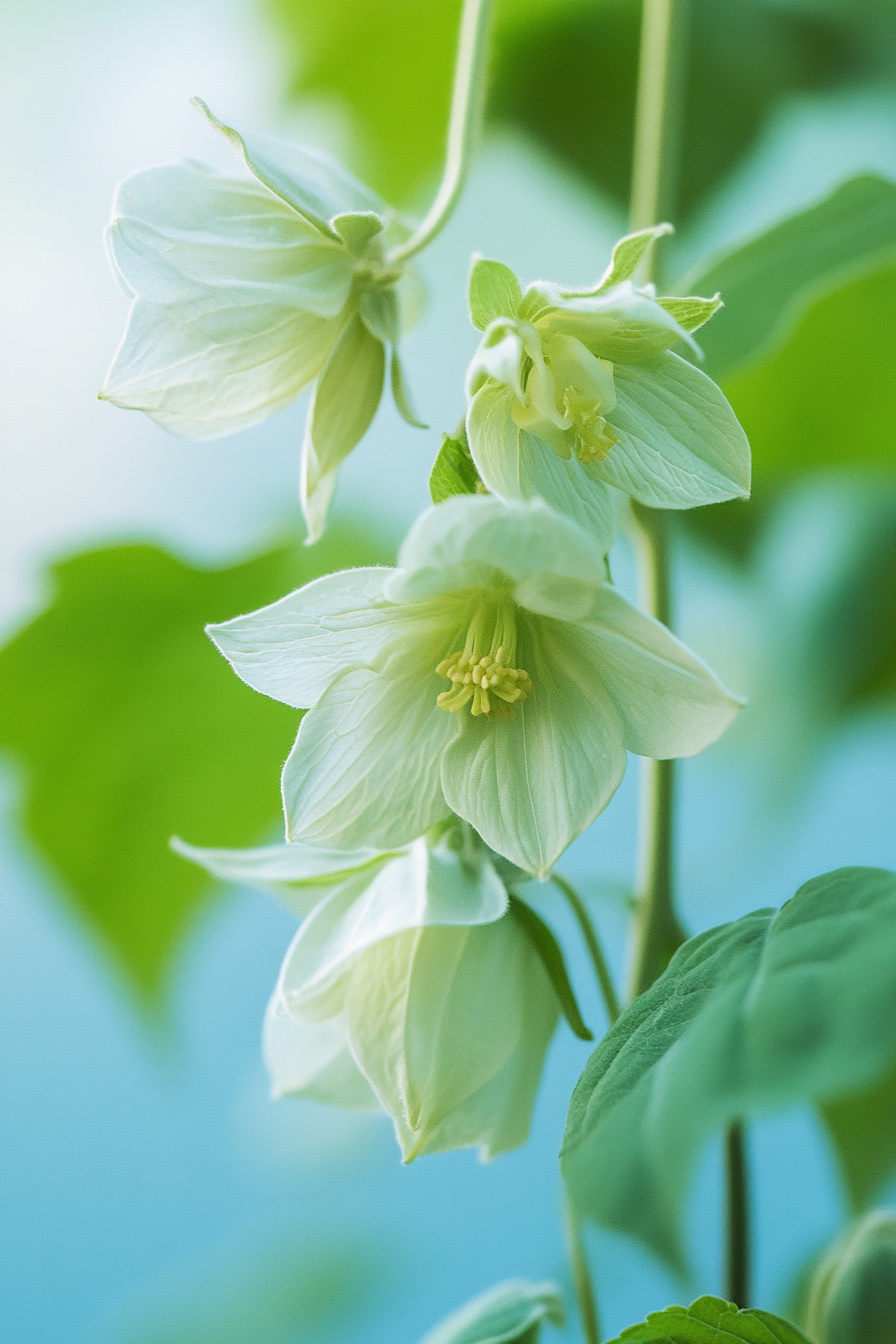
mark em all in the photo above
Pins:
pixel 530 785
pixel 500 357
pixel 365 766
pixel 516 465
pixel 418 888
pixel 300 875
pixel 179 229
pixel 669 702
pixel 215 364
pixel 345 401
pixel 622 323
pixel 494 292
pixel 573 365
pixel 680 443
pixel 293 649
pixel 312 182
pixel 313 1060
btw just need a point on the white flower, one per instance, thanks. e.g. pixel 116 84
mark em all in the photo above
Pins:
pixel 247 290
pixel 410 986
pixel 574 391
pixel 494 674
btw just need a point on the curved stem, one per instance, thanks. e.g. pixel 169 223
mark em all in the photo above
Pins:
pixel 657 931
pixel 581 1276
pixel 737 1277
pixel 463 126
pixel 592 942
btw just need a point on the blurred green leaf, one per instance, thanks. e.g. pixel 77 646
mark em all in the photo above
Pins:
pixel 862 1129
pixel 510 1313
pixel 453 472
pixel 130 728
pixel 828 396
pixel 766 283
pixel 852 1297
pixel 772 1009
pixel 709 1320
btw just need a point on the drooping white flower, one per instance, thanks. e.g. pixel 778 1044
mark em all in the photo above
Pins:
pixel 574 391
pixel 495 674
pixel 410 986
pixel 246 290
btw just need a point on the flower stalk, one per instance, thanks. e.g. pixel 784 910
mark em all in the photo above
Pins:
pixel 463 126
pixel 592 942
pixel 583 1283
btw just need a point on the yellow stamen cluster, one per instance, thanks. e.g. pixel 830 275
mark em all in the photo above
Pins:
pixel 594 435
pixel 492 686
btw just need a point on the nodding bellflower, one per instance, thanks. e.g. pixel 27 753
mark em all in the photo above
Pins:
pixel 495 674
pixel 246 290
pixel 410 987
pixel 573 391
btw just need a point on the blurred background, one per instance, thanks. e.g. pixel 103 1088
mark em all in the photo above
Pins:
pixel 152 1192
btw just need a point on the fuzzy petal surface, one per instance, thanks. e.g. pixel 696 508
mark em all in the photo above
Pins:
pixel 516 465
pixel 313 1059
pixel 669 702
pixel 365 766
pixel 681 443
pixel 621 323
pixel 532 784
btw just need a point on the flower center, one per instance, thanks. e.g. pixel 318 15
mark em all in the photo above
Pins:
pixel 594 435
pixel 486 680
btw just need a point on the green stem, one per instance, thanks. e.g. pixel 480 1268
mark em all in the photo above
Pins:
pixel 592 942
pixel 463 125
pixel 661 71
pixel 737 1278
pixel 657 930
pixel 581 1276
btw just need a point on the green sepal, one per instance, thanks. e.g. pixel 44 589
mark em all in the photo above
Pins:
pixel 710 1320
pixel 691 312
pixel 551 954
pixel 401 393
pixel 453 472
pixel 357 230
pixel 628 254
pixel 494 292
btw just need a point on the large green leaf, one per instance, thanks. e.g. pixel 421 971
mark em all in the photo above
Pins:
pixel 130 727
pixel 862 1129
pixel 772 1009
pixel 709 1320
pixel 768 282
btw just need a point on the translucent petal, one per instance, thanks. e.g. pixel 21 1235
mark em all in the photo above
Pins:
pixel 313 1060
pixel 530 785
pixel 680 442
pixel 621 323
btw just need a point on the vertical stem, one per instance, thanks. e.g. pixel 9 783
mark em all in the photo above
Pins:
pixel 592 942
pixel 657 930
pixel 581 1276
pixel 737 1276
pixel 463 126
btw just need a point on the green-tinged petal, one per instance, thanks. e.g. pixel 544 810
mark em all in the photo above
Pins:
pixel 494 292
pixel 680 442
pixel 500 356
pixel 401 393
pixel 300 875
pixel 179 229
pixel 628 254
pixel 574 366
pixel 423 886
pixel 668 701
pixel 312 182
pixel 516 465
pixel 217 363
pixel 622 324
pixel 345 401
pixel 507 1313
pixel 530 785
pixel 313 1059
pixel 293 649
pixel 526 547
pixel 691 312
pixel 379 308
pixel 435 1016
pixel 365 766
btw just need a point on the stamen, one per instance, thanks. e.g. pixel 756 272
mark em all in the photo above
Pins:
pixel 594 435
pixel 484 681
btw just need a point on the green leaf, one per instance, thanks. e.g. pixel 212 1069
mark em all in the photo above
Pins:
pixel 767 283
pixel 628 254
pixel 691 312
pixel 494 292
pixel 828 396
pixel 709 1320
pixel 551 954
pixel 453 472
pixel 862 1129
pixel 773 1009
pixel 129 728
pixel 509 1313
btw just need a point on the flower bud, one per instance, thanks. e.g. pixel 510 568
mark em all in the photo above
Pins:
pixel 852 1298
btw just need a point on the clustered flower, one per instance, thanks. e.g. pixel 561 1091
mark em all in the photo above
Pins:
pixel 468 712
